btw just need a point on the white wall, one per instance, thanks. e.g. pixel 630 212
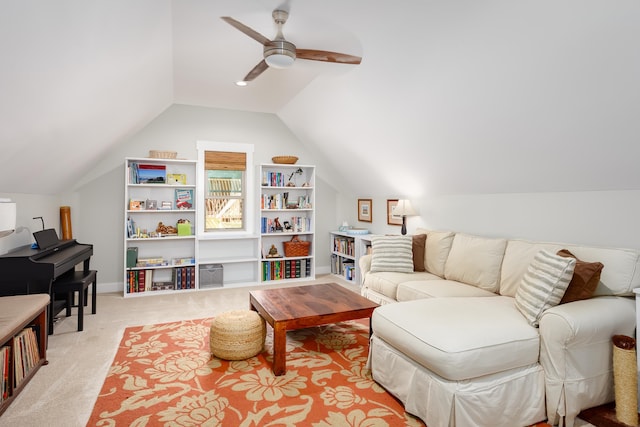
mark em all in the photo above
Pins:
pixel 600 218
pixel 29 206
pixel 100 194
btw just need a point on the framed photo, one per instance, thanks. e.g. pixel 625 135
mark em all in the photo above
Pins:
pixel 391 218
pixel 364 210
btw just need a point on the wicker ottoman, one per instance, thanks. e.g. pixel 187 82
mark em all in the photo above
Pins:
pixel 237 335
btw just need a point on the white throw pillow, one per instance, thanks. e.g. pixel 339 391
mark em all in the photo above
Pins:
pixel 391 253
pixel 544 284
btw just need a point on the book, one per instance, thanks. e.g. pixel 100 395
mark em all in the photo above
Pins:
pixel 184 198
pixel 132 256
pixel 152 174
pixel 177 178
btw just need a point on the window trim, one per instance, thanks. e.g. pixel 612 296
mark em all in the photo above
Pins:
pixel 250 184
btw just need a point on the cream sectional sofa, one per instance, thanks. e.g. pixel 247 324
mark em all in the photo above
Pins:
pixel 451 344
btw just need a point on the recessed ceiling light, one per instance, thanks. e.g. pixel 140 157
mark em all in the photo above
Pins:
pixel 241 83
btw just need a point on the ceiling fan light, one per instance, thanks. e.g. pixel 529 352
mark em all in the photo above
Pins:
pixel 279 60
pixel 279 54
pixel 241 83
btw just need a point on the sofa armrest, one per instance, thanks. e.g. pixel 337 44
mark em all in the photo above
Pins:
pixel 365 266
pixel 576 353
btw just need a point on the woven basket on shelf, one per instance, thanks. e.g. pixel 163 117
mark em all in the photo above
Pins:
pixel 157 154
pixel 286 160
pixel 296 247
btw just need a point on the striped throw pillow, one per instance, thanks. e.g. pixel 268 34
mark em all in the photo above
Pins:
pixel 543 285
pixel 392 253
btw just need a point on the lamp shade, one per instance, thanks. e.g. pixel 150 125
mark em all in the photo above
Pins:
pixel 404 208
pixel 7 218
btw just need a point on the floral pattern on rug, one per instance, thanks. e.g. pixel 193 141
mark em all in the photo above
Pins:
pixel 164 375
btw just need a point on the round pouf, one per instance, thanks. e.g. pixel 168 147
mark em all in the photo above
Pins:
pixel 237 335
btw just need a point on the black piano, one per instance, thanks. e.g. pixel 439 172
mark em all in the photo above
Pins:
pixel 26 270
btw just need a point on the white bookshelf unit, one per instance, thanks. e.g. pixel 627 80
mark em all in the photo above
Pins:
pixel 346 250
pixel 159 257
pixel 287 209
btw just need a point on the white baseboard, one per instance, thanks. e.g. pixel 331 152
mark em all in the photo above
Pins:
pixel 104 288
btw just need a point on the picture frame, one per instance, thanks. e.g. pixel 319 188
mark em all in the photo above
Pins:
pixel 391 218
pixel 364 210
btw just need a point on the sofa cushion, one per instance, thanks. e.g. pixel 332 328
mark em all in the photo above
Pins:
pixel 387 282
pixel 459 338
pixel 409 291
pixel 544 284
pixel 436 250
pixel 586 276
pixel 418 251
pixel 391 253
pixel 476 261
pixel 517 258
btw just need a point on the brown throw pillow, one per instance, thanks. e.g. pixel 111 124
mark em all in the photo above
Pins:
pixel 418 252
pixel 586 277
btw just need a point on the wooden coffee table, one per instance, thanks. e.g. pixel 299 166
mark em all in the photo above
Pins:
pixel 303 307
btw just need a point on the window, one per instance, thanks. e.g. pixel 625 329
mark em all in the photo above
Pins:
pixel 225 170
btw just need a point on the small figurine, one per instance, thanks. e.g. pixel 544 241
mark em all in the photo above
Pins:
pixel 277 225
pixel 273 252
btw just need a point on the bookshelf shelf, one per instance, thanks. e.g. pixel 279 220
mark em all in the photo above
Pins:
pixel 291 207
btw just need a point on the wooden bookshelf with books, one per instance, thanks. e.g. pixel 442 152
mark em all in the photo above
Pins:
pixel 23 343
pixel 287 222
pixel 159 229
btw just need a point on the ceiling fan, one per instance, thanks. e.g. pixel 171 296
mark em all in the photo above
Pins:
pixel 279 53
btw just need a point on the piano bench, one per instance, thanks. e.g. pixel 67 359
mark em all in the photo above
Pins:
pixel 68 285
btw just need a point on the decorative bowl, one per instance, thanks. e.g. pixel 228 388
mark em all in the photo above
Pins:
pixel 284 160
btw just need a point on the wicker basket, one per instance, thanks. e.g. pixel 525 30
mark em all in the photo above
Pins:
pixel 157 154
pixel 285 160
pixel 237 335
pixel 296 247
pixel 625 379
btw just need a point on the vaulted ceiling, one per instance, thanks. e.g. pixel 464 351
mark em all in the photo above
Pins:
pixel 451 96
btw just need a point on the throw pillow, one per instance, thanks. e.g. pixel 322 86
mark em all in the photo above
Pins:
pixel 391 253
pixel 543 285
pixel 586 277
pixel 418 252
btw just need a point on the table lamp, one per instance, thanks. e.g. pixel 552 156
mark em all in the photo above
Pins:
pixel 404 209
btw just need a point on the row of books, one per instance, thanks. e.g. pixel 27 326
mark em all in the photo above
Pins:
pixel 273 179
pixel 344 246
pixel 342 267
pixel 142 280
pixel 147 173
pixel 26 356
pixel 282 201
pixel 286 269
pixel 297 224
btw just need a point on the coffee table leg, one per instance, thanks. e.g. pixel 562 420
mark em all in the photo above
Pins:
pixel 279 348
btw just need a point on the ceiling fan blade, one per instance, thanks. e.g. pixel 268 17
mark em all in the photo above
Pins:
pixel 256 71
pixel 324 55
pixel 248 31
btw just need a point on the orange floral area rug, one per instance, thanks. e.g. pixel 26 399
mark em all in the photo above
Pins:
pixel 164 375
